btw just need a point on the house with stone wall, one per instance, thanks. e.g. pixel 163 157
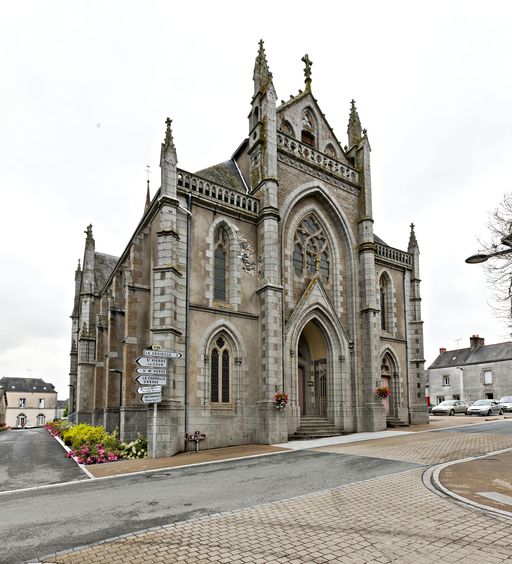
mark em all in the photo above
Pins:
pixel 263 272
pixel 30 401
pixel 476 372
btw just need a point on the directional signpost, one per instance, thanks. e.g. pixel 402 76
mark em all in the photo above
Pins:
pixel 150 361
pixel 151 370
pixel 162 354
pixel 150 390
pixel 152 375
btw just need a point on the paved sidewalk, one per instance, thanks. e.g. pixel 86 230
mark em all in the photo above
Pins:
pixel 390 519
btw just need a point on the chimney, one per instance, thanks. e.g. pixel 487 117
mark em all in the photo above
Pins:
pixel 475 341
pixel 442 350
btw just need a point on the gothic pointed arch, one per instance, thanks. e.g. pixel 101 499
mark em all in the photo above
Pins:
pixel 340 262
pixel 309 125
pixel 317 362
pixel 387 303
pixel 222 371
pixel 392 378
pixel 222 286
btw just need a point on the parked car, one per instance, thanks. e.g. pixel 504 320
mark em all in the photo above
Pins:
pixel 485 407
pixel 506 403
pixel 450 407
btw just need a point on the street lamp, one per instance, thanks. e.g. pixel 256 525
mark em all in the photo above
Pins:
pixel 481 257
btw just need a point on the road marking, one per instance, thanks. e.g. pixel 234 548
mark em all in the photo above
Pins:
pixel 501 498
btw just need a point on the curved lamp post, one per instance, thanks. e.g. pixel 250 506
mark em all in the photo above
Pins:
pixel 481 257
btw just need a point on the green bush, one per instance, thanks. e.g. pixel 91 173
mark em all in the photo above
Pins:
pixel 84 434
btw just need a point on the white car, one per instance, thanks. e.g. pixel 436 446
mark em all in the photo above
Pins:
pixel 506 403
pixel 485 407
pixel 450 407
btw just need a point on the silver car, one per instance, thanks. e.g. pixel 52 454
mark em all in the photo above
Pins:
pixel 485 407
pixel 450 407
pixel 506 403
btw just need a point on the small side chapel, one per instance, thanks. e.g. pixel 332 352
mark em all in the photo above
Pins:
pixel 265 274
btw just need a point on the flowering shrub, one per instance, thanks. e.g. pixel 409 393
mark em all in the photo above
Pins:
pixel 96 454
pixel 136 449
pixel 57 427
pixel 382 392
pixel 93 445
pixel 280 401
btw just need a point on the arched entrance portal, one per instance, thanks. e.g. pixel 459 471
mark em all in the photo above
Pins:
pixel 312 371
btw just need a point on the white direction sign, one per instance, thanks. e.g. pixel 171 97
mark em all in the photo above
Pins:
pixel 151 398
pixel 148 380
pixel 153 370
pixel 163 354
pixel 150 390
pixel 145 361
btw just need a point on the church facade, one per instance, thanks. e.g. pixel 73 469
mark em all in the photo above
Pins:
pixel 264 273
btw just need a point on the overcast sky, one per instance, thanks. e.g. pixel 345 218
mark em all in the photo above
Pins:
pixel 86 87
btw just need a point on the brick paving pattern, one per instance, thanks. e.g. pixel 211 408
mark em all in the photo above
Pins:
pixel 427 448
pixel 389 519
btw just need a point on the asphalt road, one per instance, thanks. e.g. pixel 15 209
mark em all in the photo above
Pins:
pixel 48 520
pixel 32 457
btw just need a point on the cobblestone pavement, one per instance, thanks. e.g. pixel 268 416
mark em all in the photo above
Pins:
pixel 426 448
pixel 390 519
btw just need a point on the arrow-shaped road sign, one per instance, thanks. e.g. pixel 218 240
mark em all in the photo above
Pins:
pixel 151 398
pixel 147 380
pixel 164 354
pixel 150 390
pixel 145 361
pixel 153 370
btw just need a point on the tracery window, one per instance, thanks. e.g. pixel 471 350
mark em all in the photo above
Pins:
pixel 311 252
pixel 220 266
pixel 220 372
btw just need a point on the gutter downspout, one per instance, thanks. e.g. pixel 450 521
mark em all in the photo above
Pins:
pixel 187 304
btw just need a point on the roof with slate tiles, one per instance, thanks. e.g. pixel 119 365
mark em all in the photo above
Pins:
pixel 225 174
pixel 26 385
pixel 498 352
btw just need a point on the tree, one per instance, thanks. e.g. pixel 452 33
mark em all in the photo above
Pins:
pixel 499 249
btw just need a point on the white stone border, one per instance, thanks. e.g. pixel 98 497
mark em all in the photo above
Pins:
pixel 436 482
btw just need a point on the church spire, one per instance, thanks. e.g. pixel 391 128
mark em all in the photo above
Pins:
pixel 148 198
pixel 262 76
pixel 307 71
pixel 413 243
pixel 354 126
pixel 168 162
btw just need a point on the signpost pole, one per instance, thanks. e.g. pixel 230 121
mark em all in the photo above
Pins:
pixel 154 429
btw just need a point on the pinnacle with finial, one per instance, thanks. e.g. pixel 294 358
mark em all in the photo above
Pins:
pixel 412 239
pixel 88 231
pixel 261 75
pixel 354 125
pixel 308 63
pixel 168 134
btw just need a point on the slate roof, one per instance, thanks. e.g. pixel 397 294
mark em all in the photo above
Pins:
pixel 103 268
pixel 28 385
pixel 378 240
pixel 498 352
pixel 225 174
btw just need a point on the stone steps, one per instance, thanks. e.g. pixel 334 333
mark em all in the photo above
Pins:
pixel 314 427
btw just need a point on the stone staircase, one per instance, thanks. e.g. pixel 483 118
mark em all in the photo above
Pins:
pixel 395 422
pixel 314 427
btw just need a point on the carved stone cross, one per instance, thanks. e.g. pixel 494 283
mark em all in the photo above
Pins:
pixel 307 70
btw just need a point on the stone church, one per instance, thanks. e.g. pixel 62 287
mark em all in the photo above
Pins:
pixel 265 274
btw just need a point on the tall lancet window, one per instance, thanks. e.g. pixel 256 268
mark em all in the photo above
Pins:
pixel 311 250
pixel 383 312
pixel 220 372
pixel 220 264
